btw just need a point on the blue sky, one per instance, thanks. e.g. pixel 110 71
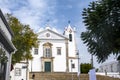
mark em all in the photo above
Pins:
pixel 36 13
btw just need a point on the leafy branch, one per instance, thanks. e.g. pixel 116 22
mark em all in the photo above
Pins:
pixel 3 57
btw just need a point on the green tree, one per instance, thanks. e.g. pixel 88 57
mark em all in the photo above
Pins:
pixel 24 39
pixel 3 57
pixel 85 67
pixel 102 21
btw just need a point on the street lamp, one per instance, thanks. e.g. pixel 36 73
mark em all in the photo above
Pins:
pixel 77 54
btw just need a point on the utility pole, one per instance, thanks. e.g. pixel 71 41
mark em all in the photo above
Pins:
pixel 92 61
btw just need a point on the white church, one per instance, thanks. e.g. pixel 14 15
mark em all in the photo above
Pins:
pixel 56 52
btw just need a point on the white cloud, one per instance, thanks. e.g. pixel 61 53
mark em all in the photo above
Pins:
pixel 37 4
pixel 4 7
pixel 37 12
pixel 28 16
pixel 32 12
pixel 5 10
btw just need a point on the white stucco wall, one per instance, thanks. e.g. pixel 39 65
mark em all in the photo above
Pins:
pixel 75 62
pixel 35 65
pixel 59 61
pixel 72 47
pixel 113 66
pixel 22 72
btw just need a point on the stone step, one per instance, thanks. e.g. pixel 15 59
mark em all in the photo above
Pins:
pixel 65 76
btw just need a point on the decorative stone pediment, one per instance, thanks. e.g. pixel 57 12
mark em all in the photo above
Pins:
pixel 47 44
pixel 49 34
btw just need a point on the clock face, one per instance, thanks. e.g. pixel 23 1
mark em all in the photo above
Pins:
pixel 70 31
pixel 47 34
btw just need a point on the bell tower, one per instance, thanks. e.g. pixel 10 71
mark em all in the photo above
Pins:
pixel 70 33
pixel 71 49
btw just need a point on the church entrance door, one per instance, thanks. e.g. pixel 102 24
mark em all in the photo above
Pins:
pixel 47 66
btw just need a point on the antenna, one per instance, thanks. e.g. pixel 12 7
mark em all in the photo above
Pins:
pixel 48 20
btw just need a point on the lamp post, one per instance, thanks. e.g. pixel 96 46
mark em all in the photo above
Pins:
pixel 92 61
pixel 78 65
pixel 31 65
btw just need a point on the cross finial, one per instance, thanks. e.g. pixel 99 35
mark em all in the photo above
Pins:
pixel 48 20
pixel 69 21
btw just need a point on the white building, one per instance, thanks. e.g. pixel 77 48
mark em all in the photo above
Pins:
pixel 56 52
pixel 111 69
pixel 19 72
pixel 6 48
pixel 113 66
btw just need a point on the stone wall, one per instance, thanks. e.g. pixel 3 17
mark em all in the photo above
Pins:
pixel 65 76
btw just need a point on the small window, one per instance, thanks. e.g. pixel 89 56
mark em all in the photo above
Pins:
pixel 36 51
pixel 73 65
pixel 48 54
pixel 70 37
pixel 17 72
pixel 58 50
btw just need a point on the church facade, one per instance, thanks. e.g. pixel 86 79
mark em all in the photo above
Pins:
pixel 55 52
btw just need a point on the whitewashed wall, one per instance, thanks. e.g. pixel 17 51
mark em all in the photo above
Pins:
pixel 74 61
pixel 59 60
pixel 113 66
pixel 22 72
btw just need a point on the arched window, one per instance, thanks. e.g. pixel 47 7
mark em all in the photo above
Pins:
pixel 70 37
pixel 47 50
